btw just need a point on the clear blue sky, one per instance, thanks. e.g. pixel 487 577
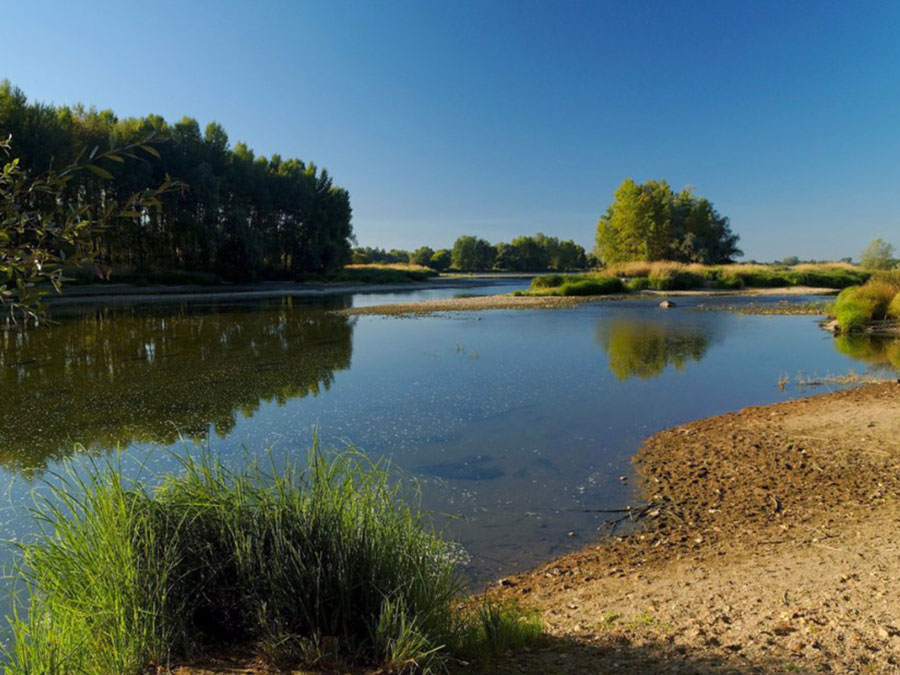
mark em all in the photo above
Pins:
pixel 505 118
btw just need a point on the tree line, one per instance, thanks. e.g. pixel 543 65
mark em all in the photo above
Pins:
pixel 536 253
pixel 238 216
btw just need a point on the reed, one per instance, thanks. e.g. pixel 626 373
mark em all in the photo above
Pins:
pixel 325 555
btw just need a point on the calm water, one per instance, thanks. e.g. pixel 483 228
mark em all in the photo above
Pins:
pixel 513 422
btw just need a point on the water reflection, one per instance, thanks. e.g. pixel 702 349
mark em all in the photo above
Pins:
pixel 125 377
pixel 877 351
pixel 644 347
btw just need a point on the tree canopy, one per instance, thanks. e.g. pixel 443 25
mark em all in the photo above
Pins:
pixel 649 221
pixel 879 255
pixel 242 217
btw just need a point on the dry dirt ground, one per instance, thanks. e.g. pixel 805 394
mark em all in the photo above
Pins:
pixel 768 542
pixel 485 302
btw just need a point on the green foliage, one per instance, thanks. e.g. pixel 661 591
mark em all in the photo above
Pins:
pixel 859 306
pixel 893 310
pixel 548 281
pixel 540 252
pixel 243 217
pixel 879 255
pixel 494 627
pixel 43 226
pixel 651 222
pixel 422 256
pixel 580 284
pixel 125 577
pixel 382 275
pixel 638 284
pixel 472 254
pixel 441 260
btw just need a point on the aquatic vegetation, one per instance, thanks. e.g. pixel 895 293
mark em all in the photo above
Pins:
pixel 289 558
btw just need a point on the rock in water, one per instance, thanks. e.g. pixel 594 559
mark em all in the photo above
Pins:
pixel 666 304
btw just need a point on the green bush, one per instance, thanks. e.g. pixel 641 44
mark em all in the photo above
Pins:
pixel 638 284
pixel 893 310
pixel 838 278
pixel 679 281
pixel 294 560
pixel 858 306
pixel 593 286
pixel 731 282
pixel 548 281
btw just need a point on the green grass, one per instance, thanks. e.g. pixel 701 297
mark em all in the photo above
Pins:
pixel 575 284
pixel 669 276
pixel 301 562
pixel 859 306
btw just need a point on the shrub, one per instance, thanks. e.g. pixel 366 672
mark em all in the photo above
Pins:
pixel 548 281
pixel 638 284
pixel 893 310
pixel 126 577
pixel 858 306
pixel 593 286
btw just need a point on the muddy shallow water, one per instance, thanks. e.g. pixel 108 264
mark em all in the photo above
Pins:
pixel 515 424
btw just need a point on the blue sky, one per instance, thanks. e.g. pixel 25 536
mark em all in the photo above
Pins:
pixel 506 118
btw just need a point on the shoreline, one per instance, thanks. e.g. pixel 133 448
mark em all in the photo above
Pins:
pixel 768 543
pixel 128 293
pixel 491 302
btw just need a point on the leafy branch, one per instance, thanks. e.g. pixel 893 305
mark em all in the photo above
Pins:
pixel 47 223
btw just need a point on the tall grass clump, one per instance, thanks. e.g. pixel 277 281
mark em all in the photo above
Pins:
pixel 324 557
pixel 859 306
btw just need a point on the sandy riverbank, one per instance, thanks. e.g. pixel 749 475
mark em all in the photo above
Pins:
pixel 769 543
pixel 487 302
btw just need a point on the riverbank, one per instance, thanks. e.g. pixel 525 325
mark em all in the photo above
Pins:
pixel 109 294
pixel 488 302
pixel 769 543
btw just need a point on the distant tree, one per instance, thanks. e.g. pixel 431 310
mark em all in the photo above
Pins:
pixel 848 260
pixel 422 256
pixel 790 261
pixel 879 255
pixel 441 260
pixel 397 255
pixel 650 222
pixel 473 254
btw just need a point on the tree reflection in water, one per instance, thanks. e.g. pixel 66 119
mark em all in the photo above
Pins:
pixel 117 377
pixel 644 348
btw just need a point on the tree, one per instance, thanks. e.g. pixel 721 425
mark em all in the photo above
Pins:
pixel 441 260
pixel 244 217
pixel 422 256
pixel 44 225
pixel 650 222
pixel 473 254
pixel 879 255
